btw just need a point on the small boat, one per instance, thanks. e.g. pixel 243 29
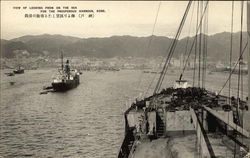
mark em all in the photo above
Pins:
pixel 67 79
pixel 10 74
pixel 19 70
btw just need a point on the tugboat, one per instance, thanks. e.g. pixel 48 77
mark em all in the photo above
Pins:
pixel 185 121
pixel 67 79
pixel 19 70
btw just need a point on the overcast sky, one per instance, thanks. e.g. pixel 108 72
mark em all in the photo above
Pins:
pixel 134 18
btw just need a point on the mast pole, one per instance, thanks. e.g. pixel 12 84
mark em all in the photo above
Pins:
pixel 248 39
pixel 62 59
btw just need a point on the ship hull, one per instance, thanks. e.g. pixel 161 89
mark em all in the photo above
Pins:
pixel 67 85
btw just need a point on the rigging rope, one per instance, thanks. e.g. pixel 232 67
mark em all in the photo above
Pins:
pixel 195 51
pixel 199 70
pixel 230 62
pixel 173 45
pixel 231 52
pixel 195 39
pixel 204 49
pixel 241 73
pixel 230 59
pixel 168 50
pixel 228 80
pixel 233 69
pixel 239 70
pixel 151 38
pixel 188 38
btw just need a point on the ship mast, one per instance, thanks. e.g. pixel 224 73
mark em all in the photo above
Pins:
pixel 248 39
pixel 62 59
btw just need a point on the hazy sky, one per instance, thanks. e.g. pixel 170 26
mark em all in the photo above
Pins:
pixel 134 18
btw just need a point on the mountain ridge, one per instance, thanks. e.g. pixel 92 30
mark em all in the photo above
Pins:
pixel 107 47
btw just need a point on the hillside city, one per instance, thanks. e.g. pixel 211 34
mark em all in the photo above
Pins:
pixel 111 64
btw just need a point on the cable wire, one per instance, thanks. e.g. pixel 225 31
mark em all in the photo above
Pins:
pixel 194 41
pixel 151 38
pixel 172 48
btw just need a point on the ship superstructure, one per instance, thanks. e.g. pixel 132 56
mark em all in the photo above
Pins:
pixel 67 79
pixel 19 70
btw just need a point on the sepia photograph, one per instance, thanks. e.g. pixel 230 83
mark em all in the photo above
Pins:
pixel 124 79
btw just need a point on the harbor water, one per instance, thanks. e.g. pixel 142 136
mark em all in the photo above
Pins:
pixel 84 122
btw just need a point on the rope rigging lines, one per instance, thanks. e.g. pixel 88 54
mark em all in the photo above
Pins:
pixel 199 58
pixel 233 70
pixel 171 49
pixel 205 49
pixel 203 12
pixel 151 38
pixel 230 59
pixel 200 42
pixel 230 53
pixel 195 51
pixel 195 39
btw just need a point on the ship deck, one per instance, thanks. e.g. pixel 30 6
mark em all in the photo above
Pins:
pixel 167 148
pixel 183 147
pixel 185 123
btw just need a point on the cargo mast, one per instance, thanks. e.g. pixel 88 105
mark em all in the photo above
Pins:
pixel 248 39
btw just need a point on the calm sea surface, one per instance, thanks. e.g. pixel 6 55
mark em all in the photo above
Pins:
pixel 84 122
